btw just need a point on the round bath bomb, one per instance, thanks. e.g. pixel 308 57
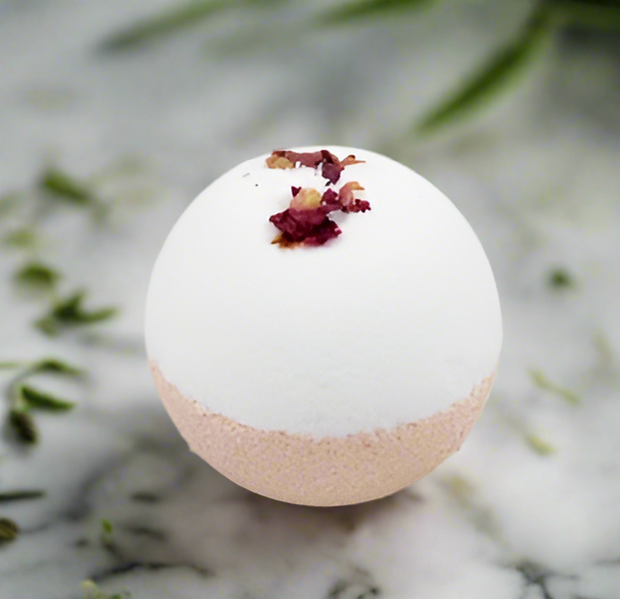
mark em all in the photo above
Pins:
pixel 323 326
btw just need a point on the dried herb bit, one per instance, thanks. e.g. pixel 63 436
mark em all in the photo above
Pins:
pixel 22 238
pixel 560 279
pixel 39 400
pixel 25 495
pixel 91 591
pixel 69 313
pixel 22 423
pixel 63 186
pixel 330 165
pixel 8 530
pixel 539 445
pixel 37 275
pixel 541 381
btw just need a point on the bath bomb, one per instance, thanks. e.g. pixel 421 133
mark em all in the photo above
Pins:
pixel 323 326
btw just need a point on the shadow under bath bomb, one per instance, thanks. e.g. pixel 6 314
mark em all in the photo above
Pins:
pixel 323 326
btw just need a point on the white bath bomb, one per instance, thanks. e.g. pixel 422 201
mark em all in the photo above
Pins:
pixel 342 362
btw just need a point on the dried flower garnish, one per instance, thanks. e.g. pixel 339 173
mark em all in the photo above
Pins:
pixel 306 220
pixel 331 166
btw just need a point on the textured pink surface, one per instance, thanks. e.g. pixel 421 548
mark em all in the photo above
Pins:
pixel 327 471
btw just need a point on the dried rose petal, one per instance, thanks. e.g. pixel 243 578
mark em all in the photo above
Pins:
pixel 350 203
pixel 331 171
pixel 295 190
pixel 331 166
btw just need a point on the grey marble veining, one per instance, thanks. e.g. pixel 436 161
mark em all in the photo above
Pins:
pixel 528 509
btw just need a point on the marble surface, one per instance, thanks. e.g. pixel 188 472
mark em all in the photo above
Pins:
pixel 528 509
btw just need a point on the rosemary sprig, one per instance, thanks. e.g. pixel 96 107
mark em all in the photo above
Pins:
pixel 541 381
pixel 492 76
pixel 24 398
pixel 163 24
pixel 21 238
pixel 37 275
pixel 21 495
pixel 40 400
pixel 69 313
pixel 91 591
pixel 363 9
pixel 23 424
pixel 61 185
pixel 560 278
pixel 8 530
pixel 539 445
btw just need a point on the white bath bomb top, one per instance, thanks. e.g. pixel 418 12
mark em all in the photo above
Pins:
pixel 392 321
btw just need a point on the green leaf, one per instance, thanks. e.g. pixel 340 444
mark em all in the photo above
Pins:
pixel 560 279
pixel 69 313
pixel 8 530
pixel 106 527
pixel 23 425
pixel 598 14
pixel 37 275
pixel 163 24
pixel 28 495
pixel 62 185
pixel 40 400
pixel 503 67
pixel 22 237
pixel 10 365
pixel 539 445
pixel 55 366
pixel 541 381
pixel 8 203
pixel 361 9
pixel 91 591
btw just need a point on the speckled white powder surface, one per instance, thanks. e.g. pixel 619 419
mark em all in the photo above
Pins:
pixel 392 321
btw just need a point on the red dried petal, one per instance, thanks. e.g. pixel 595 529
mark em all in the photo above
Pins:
pixel 331 171
pixel 327 230
pixel 348 201
pixel 295 190
pixel 330 199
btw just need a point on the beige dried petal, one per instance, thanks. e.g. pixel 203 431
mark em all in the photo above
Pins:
pixel 306 199
pixel 350 159
pixel 275 161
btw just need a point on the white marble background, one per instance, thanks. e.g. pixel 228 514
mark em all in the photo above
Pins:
pixel 529 509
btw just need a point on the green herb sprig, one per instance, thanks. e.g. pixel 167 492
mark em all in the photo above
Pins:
pixel 91 591
pixel 9 530
pixel 69 313
pixel 37 276
pixel 542 382
pixel 24 399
